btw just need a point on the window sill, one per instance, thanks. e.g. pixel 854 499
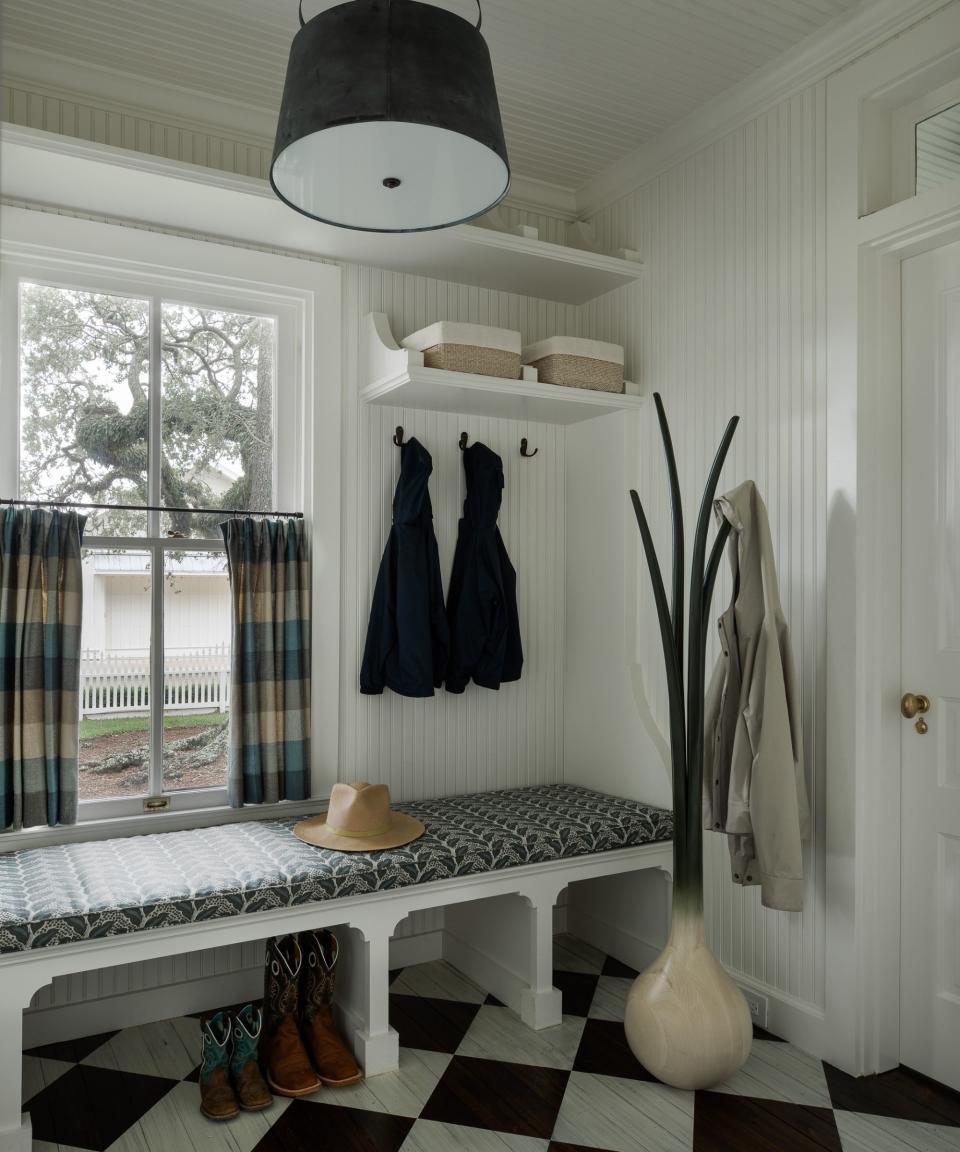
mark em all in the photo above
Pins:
pixel 144 823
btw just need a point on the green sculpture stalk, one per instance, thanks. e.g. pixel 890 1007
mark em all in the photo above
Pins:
pixel 686 714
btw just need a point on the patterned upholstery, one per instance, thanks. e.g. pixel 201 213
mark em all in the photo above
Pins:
pixel 72 892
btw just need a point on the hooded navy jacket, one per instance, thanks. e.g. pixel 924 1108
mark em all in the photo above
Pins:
pixel 482 601
pixel 407 637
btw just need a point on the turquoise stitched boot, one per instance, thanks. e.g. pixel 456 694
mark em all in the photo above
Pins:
pixel 217 1099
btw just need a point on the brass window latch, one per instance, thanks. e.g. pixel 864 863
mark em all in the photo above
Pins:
pixel 913 703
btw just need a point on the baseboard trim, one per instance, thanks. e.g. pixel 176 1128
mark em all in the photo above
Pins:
pixel 611 938
pixel 61 1022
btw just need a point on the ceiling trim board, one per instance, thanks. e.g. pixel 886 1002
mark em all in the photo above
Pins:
pixel 827 51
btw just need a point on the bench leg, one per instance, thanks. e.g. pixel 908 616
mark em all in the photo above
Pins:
pixel 376 1044
pixel 15 1130
pixel 541 1005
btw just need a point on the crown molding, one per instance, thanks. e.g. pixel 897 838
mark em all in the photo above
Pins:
pixel 819 56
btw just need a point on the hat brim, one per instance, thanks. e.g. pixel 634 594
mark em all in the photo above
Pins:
pixel 403 829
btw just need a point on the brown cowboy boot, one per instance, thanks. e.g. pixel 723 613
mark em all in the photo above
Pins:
pixel 282 1054
pixel 251 1091
pixel 329 1055
pixel 217 1099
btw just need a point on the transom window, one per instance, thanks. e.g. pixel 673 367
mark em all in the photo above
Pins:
pixel 148 398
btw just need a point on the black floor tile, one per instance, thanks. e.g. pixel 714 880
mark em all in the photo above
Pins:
pixel 613 967
pixel 517 1098
pixel 307 1127
pixel 577 989
pixel 194 1076
pixel 90 1107
pixel 762 1034
pixel 556 1146
pixel 900 1093
pixel 431 1023
pixel 72 1050
pixel 728 1123
pixel 492 1002
pixel 604 1050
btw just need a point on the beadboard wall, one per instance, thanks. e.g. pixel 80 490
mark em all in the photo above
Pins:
pixel 730 319
pixel 482 739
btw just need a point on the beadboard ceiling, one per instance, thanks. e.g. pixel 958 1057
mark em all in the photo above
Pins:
pixel 582 82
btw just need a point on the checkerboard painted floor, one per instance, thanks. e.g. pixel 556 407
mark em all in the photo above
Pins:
pixel 472 1078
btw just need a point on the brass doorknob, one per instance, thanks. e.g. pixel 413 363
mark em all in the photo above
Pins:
pixel 911 704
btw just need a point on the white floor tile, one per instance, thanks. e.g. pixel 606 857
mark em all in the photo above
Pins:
pixel 499 1034
pixel 860 1132
pixel 437 978
pixel 166 1048
pixel 432 1136
pixel 777 1071
pixel 176 1123
pixel 573 955
pixel 625 1115
pixel 38 1072
pixel 401 1093
pixel 610 998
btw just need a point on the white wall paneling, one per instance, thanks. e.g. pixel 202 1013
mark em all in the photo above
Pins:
pixel 731 320
pixel 481 739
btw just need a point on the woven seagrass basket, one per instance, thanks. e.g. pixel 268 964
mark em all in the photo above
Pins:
pixel 474 348
pixel 574 363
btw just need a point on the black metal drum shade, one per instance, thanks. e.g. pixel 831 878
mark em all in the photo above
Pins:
pixel 389 120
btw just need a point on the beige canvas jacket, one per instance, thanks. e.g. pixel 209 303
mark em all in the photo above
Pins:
pixel 753 782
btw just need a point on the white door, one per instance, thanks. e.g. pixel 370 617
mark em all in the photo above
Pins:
pixel 930 645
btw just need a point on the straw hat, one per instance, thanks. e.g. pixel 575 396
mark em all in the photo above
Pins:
pixel 359 819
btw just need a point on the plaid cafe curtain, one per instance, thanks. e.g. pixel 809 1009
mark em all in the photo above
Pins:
pixel 41 597
pixel 269 756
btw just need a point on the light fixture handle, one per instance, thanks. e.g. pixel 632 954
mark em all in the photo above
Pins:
pixel 479 14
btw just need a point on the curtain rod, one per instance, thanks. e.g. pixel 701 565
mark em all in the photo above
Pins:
pixel 147 508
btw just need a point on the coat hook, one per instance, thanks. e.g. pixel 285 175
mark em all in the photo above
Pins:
pixel 523 449
pixel 463 441
pixel 398 436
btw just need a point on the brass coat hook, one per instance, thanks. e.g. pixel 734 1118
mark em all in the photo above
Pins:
pixel 398 436
pixel 523 449
pixel 463 441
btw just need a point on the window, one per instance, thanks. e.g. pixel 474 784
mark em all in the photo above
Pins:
pixel 142 400
pixel 164 370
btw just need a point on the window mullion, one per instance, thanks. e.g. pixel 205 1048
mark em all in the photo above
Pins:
pixel 154 462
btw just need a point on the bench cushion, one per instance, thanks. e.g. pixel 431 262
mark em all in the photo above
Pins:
pixel 71 892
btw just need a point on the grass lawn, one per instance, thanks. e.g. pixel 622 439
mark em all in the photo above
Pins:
pixel 89 729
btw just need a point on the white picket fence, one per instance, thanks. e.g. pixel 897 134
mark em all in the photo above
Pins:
pixel 194 681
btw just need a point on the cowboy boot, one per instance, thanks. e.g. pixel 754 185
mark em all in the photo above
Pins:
pixel 329 1055
pixel 252 1093
pixel 217 1099
pixel 282 1054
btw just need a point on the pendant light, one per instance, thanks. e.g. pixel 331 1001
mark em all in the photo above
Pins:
pixel 389 120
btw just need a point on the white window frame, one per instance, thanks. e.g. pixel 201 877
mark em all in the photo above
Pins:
pixel 304 297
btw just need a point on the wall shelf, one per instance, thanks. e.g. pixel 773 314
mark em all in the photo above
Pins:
pixel 396 377
pixel 107 181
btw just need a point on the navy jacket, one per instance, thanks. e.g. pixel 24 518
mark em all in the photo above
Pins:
pixel 407 638
pixel 482 601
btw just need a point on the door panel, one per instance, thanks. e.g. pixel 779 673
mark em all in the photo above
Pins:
pixel 930 646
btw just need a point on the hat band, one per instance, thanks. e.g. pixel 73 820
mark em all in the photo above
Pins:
pixel 365 835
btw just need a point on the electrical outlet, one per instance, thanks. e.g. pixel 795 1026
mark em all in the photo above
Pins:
pixel 758 1007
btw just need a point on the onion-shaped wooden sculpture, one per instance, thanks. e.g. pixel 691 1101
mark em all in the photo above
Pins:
pixel 686 1020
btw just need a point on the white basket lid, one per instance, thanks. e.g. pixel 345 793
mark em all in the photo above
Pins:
pixel 573 346
pixel 454 332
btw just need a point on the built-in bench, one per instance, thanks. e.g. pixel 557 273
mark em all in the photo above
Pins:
pixel 497 861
